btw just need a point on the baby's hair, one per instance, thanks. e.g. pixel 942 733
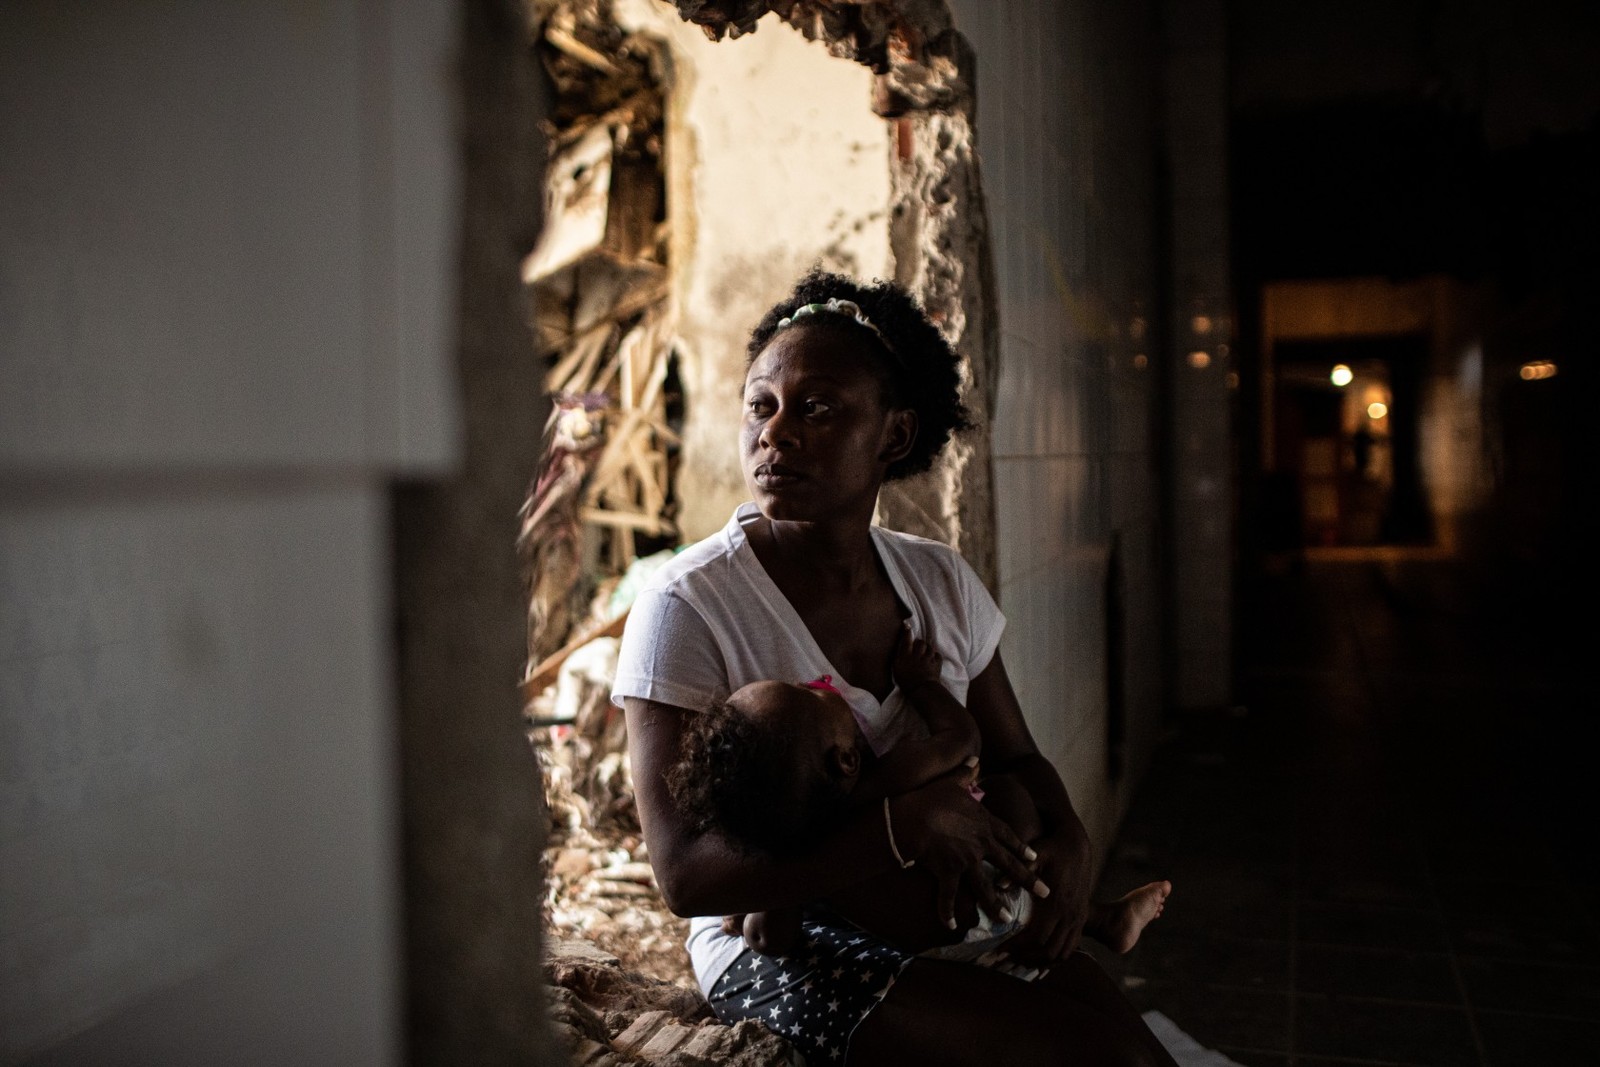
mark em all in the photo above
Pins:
pixel 742 777
pixel 914 363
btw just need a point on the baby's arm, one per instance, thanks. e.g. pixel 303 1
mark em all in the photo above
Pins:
pixel 952 739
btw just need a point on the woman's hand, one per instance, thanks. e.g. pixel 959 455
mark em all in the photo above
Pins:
pixel 1057 922
pixel 948 834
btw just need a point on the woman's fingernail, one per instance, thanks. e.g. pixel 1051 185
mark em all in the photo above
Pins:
pixel 1005 915
pixel 951 922
pixel 1029 854
pixel 1040 890
pixel 972 761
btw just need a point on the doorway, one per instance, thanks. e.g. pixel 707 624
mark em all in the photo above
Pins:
pixel 1346 442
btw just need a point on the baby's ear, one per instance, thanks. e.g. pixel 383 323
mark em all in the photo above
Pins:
pixel 844 761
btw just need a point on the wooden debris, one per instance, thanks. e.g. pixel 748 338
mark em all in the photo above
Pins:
pixel 544 675
pixel 602 313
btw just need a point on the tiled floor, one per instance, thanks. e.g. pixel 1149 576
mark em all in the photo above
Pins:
pixel 1386 854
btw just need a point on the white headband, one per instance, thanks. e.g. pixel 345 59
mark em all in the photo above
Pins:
pixel 848 308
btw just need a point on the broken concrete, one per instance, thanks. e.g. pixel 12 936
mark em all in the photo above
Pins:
pixel 940 241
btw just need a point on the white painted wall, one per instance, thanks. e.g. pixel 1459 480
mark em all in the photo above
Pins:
pixel 1066 140
pixel 1199 364
pixel 226 274
pixel 775 160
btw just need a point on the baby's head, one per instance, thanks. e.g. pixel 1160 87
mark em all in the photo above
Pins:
pixel 769 766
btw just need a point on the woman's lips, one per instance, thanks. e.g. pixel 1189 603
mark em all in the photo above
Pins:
pixel 776 476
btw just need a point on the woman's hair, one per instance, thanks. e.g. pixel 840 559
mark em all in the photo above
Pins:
pixel 912 361
pixel 749 780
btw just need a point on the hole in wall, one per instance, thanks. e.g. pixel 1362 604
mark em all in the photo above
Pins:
pixel 696 171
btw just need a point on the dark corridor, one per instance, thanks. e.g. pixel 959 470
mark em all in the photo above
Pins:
pixel 1386 854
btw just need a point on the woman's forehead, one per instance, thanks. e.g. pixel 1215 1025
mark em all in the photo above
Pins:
pixel 814 351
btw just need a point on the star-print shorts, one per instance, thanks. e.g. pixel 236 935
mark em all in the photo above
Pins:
pixel 816 995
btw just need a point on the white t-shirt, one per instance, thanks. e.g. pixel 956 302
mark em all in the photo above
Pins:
pixel 712 620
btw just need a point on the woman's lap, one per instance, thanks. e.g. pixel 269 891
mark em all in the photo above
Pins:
pixel 817 995
pixel 845 991
pixel 953 1013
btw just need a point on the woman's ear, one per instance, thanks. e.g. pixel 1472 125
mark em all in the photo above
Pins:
pixel 844 761
pixel 899 435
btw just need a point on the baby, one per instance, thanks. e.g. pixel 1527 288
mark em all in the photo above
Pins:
pixel 776 764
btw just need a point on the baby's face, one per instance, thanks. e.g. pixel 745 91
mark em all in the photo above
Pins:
pixel 814 720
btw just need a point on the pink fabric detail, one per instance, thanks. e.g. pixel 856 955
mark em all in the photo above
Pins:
pixel 825 682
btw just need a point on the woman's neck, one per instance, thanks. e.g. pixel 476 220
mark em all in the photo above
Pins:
pixel 837 553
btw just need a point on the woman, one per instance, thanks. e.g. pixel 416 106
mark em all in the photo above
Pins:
pixel 849 386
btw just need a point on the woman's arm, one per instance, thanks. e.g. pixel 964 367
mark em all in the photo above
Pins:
pixel 702 874
pixel 1064 855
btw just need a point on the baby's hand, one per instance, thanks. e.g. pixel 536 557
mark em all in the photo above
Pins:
pixel 915 661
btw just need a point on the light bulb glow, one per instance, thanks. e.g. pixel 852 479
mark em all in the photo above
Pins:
pixel 1377 410
pixel 1341 375
pixel 1537 370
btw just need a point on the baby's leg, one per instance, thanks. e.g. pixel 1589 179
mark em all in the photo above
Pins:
pixel 1117 924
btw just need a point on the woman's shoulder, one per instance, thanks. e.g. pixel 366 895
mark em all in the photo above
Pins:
pixel 922 554
pixel 934 571
pixel 705 563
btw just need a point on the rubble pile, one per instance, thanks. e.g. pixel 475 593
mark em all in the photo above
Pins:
pixel 598 287
pixel 599 884
pixel 609 1016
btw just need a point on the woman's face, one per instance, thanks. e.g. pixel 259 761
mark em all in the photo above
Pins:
pixel 816 437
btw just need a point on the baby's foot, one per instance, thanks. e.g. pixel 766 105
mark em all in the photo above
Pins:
pixel 1124 920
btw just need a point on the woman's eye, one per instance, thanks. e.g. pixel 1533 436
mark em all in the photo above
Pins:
pixel 818 407
pixel 756 405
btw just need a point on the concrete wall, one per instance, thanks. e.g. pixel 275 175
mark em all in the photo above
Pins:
pixel 226 277
pixel 1067 139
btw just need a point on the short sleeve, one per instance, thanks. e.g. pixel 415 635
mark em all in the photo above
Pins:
pixel 669 654
pixel 985 623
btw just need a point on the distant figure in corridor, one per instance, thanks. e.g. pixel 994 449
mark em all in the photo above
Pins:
pixel 849 386
pixel 778 763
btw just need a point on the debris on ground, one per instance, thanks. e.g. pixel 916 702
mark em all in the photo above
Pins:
pixel 608 1015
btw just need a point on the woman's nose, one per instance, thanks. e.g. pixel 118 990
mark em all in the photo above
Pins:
pixel 780 430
